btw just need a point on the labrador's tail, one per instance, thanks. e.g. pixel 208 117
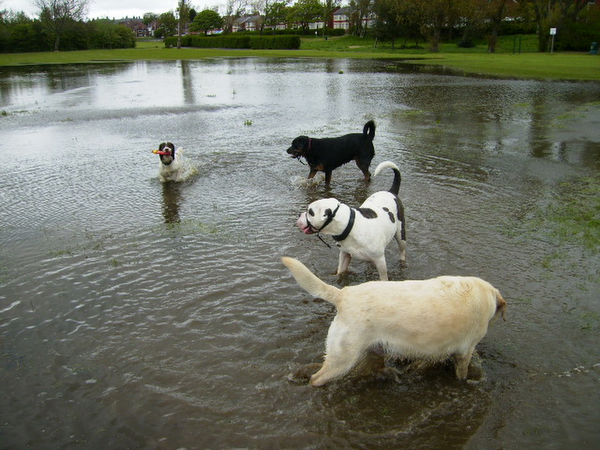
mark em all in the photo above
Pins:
pixel 310 282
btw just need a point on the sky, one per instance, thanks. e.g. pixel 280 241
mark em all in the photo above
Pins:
pixel 117 9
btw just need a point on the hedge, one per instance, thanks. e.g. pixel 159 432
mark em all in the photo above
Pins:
pixel 296 31
pixel 577 36
pixel 236 41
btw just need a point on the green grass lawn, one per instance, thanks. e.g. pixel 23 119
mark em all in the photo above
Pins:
pixel 476 60
pixel 506 44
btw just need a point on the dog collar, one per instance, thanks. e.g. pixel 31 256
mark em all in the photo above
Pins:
pixel 346 232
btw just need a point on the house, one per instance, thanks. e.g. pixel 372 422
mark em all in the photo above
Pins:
pixel 136 25
pixel 343 18
pixel 247 23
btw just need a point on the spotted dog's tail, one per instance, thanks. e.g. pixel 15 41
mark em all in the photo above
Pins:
pixel 369 129
pixel 397 177
pixel 310 282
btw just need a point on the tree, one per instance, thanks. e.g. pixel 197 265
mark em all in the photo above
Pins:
pixel 56 14
pixel 387 27
pixel 105 33
pixel 183 12
pixel 554 14
pixel 149 18
pixel 496 13
pixel 362 10
pixel 328 8
pixel 19 33
pixel 306 11
pixel 431 15
pixel 207 20
pixel 276 13
pixel 168 25
pixel 233 10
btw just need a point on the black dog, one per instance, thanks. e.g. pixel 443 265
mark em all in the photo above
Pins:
pixel 328 154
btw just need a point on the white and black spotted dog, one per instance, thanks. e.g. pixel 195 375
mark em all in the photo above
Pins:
pixel 171 166
pixel 362 233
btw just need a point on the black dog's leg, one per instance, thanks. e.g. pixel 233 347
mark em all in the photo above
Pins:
pixel 327 177
pixel 364 167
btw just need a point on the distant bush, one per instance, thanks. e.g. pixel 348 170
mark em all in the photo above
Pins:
pixel 466 43
pixel 577 36
pixel 104 34
pixel 236 40
pixel 293 32
pixel 517 27
pixel 275 42
pixel 21 34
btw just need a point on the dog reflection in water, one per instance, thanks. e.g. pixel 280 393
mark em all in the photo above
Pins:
pixel 171 196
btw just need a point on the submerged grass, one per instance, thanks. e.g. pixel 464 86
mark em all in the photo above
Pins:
pixel 572 216
pixel 576 213
pixel 476 60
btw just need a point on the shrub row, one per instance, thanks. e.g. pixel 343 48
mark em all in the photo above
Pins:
pixel 26 35
pixel 577 36
pixel 237 41
pixel 296 31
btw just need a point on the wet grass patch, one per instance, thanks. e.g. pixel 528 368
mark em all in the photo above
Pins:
pixel 574 215
pixel 194 227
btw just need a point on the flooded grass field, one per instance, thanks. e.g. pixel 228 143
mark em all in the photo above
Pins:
pixel 141 314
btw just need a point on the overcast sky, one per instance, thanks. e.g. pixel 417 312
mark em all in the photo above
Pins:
pixel 117 8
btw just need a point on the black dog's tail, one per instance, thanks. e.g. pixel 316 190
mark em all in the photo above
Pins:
pixel 369 129
pixel 397 177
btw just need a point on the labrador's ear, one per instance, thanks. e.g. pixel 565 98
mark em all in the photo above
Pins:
pixel 500 306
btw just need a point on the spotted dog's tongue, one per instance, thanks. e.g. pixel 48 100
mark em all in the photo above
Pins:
pixel 303 224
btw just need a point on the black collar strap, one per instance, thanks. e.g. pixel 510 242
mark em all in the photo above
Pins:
pixel 329 219
pixel 346 232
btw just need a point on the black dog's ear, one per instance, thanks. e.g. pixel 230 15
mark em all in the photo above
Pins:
pixel 302 142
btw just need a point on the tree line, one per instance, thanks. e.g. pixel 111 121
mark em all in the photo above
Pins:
pixel 60 24
pixel 465 20
pixel 427 21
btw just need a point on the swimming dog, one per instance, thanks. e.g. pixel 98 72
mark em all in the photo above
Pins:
pixel 171 166
pixel 362 233
pixel 433 320
pixel 327 154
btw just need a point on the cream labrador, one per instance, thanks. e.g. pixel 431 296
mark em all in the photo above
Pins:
pixel 426 319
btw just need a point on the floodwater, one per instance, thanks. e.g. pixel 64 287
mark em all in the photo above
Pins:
pixel 142 315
